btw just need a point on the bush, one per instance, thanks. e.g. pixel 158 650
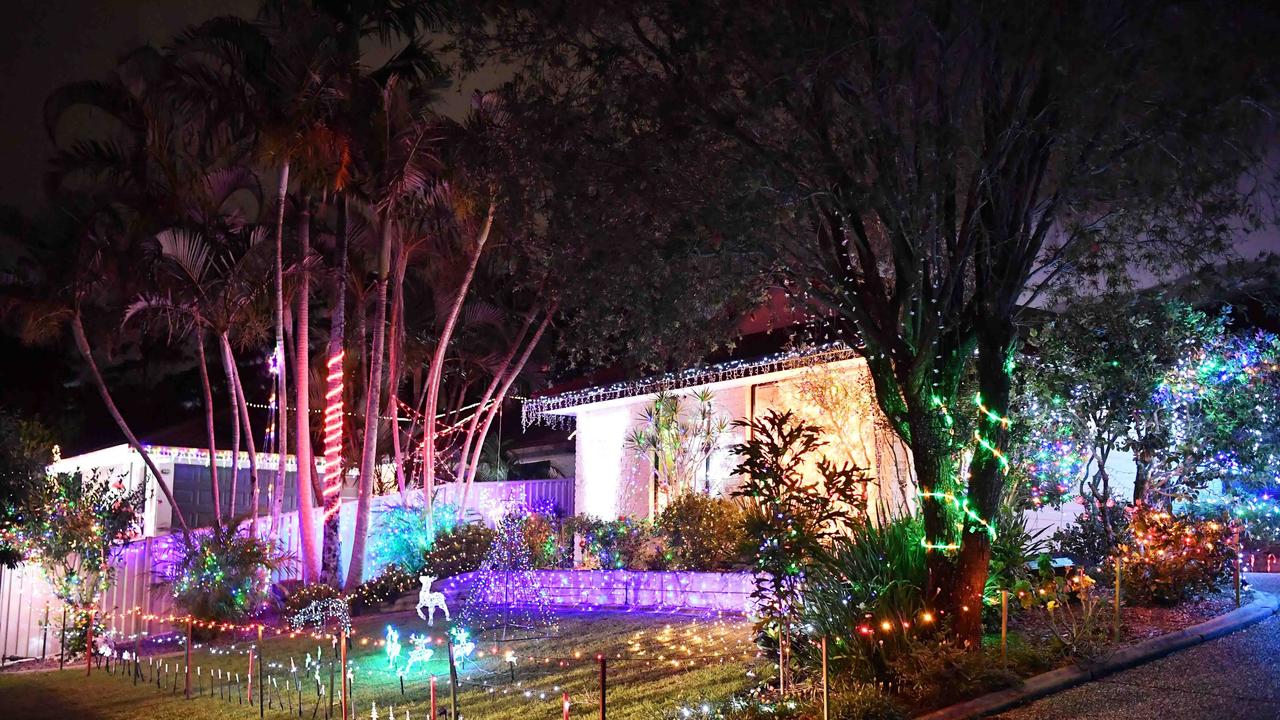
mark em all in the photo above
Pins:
pixel 700 532
pixel 550 543
pixel 622 544
pixel 1174 557
pixel 933 674
pixel 223 574
pixel 387 586
pixel 864 702
pixel 400 535
pixel 867 593
pixel 458 551
pixel 303 595
pixel 1092 539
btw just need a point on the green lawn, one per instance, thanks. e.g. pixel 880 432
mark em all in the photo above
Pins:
pixel 656 663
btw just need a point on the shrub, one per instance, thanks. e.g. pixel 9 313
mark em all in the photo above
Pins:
pixel 458 551
pixel 864 702
pixel 1174 557
pixel 867 594
pixel 700 532
pixel 933 674
pixel 304 595
pixel 387 586
pixel 622 544
pixel 400 535
pixel 550 546
pixel 223 574
pixel 1092 539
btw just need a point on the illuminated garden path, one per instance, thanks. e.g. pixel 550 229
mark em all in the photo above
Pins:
pixel 1237 676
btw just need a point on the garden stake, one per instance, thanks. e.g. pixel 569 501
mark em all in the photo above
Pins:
pixel 1116 619
pixel 261 689
pixel 564 702
pixel 402 686
pixel 1239 552
pixel 824 681
pixel 62 639
pixel 342 650
pixel 187 681
pixel 137 656
pixel 603 675
pixel 453 679
pixel 434 715
pixel 44 639
pixel 1004 626
pixel 88 643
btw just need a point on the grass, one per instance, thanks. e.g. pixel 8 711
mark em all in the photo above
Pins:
pixel 656 663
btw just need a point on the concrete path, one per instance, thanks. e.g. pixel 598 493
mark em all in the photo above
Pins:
pixel 1237 676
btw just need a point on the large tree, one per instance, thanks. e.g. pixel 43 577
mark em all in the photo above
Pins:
pixel 929 168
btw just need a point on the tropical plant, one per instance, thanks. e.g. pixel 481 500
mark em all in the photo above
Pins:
pixel 402 539
pixel 223 574
pixel 678 442
pixel 700 532
pixel 866 594
pixel 1091 540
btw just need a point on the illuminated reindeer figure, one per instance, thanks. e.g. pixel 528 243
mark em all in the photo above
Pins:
pixel 430 600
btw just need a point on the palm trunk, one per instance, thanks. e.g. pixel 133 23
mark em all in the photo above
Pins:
pixel 393 367
pixel 493 411
pixel 282 385
pixel 250 444
pixel 302 378
pixel 208 426
pixel 229 368
pixel 82 344
pixel 373 387
pixel 333 411
pixel 437 368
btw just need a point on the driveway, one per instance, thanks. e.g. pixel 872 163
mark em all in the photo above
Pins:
pixel 1237 676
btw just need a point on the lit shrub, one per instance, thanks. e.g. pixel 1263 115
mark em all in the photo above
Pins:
pixel 457 551
pixel 700 532
pixel 222 574
pixel 622 544
pixel 1173 558
pixel 386 587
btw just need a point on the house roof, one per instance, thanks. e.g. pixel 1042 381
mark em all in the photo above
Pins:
pixel 549 408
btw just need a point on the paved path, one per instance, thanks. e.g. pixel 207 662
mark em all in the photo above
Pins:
pixel 1237 676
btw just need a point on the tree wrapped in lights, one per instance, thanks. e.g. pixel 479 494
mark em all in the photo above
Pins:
pixel 74 527
pixel 505 600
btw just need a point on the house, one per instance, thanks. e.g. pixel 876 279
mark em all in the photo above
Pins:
pixel 826 385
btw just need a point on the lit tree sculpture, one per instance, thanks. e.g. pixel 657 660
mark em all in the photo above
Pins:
pixel 506 600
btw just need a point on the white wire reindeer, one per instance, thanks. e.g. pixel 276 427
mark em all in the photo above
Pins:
pixel 430 600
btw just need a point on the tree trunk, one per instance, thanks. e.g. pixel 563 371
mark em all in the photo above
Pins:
pixel 393 366
pixel 282 385
pixel 250 444
pixel 208 426
pixel 512 374
pixel 437 368
pixel 334 419
pixel 82 344
pixel 228 367
pixel 469 437
pixel 302 378
pixel 986 476
pixel 368 456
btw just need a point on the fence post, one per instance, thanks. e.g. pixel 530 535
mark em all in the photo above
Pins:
pixel 603 685
pixel 342 655
pixel 453 678
pixel 434 715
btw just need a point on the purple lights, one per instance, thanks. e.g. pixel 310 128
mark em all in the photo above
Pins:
pixel 705 592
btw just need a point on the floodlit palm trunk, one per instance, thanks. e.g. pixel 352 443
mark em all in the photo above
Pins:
pixel 437 368
pixel 334 418
pixel 282 385
pixel 373 387
pixel 229 368
pixel 255 484
pixel 82 344
pixel 501 396
pixel 302 378
pixel 208 426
